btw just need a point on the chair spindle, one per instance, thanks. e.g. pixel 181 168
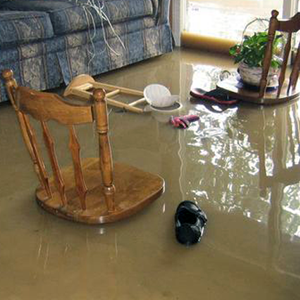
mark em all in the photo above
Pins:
pixel 59 182
pixel 295 71
pixel 287 49
pixel 106 165
pixel 268 53
pixel 81 187
pixel 27 134
pixel 38 162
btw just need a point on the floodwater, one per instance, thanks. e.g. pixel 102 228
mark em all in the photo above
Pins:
pixel 241 164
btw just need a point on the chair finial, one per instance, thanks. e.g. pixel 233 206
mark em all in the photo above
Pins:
pixel 7 74
pixel 275 13
pixel 99 95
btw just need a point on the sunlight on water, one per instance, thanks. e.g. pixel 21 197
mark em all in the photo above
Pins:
pixel 252 142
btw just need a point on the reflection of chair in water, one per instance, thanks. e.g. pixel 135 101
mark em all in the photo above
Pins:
pixel 94 190
pixel 287 89
pixel 272 130
pixel 283 185
pixel 273 133
pixel 286 169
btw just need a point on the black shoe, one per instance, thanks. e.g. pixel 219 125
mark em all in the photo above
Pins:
pixel 189 223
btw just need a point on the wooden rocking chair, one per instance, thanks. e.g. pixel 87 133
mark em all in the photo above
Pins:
pixel 288 89
pixel 93 190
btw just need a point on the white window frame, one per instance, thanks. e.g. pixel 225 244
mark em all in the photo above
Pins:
pixel 178 19
pixel 290 7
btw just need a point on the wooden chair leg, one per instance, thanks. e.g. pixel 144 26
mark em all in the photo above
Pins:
pixel 27 133
pixel 106 165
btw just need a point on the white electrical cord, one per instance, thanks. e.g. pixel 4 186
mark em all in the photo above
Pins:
pixel 99 9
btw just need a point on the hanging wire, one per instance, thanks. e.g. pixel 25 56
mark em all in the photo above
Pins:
pixel 99 9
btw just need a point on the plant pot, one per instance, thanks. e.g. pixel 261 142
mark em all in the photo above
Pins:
pixel 252 75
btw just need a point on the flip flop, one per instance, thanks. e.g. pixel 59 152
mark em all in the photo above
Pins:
pixel 217 96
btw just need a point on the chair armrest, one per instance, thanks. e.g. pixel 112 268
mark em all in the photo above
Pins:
pixel 161 11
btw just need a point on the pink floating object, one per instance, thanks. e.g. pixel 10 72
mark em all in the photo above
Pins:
pixel 183 121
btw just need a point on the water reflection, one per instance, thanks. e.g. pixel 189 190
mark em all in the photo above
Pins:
pixel 245 153
pixel 245 160
pixel 271 136
pixel 248 152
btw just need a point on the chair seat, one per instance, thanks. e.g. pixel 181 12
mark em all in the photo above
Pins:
pixel 236 89
pixel 135 189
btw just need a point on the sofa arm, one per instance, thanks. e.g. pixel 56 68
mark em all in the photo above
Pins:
pixel 161 10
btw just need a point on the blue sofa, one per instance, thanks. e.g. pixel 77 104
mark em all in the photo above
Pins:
pixel 47 43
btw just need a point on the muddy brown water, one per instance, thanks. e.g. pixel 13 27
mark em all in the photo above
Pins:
pixel 241 164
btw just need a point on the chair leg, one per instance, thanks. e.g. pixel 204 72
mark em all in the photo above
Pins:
pixel 105 158
pixel 109 198
pixel 106 167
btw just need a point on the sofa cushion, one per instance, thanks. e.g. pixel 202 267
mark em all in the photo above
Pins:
pixel 17 27
pixel 70 15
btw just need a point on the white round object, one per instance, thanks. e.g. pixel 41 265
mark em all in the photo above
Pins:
pixel 158 95
pixel 165 110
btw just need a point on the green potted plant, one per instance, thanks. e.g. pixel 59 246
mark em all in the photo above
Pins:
pixel 250 55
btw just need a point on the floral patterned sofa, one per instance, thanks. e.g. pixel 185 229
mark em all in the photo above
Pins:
pixel 47 42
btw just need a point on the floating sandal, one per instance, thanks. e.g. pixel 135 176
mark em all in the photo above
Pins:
pixel 189 223
pixel 183 121
pixel 217 96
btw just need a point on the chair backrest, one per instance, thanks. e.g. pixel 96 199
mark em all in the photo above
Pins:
pixel 290 27
pixel 48 106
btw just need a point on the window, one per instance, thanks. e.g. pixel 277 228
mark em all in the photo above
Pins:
pixel 226 19
pixel 221 22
